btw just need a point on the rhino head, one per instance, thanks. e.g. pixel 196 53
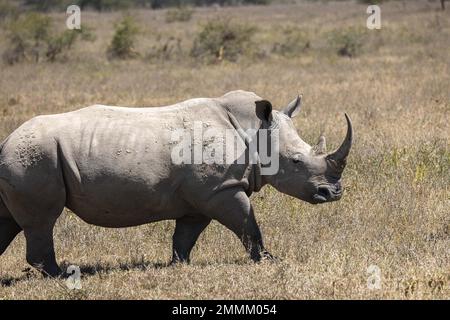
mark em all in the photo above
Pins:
pixel 306 172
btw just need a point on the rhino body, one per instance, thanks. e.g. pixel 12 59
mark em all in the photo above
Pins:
pixel 112 167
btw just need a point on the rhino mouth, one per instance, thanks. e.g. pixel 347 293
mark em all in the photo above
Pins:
pixel 325 194
pixel 319 198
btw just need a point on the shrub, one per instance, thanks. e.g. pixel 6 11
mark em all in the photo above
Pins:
pixel 222 40
pixel 166 49
pixel 347 42
pixel 122 44
pixel 63 42
pixel 179 14
pixel 60 43
pixel 31 37
pixel 293 41
pixel 8 10
pixel 27 36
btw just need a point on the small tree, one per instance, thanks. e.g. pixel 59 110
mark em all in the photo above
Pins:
pixel 293 41
pixel 64 42
pixel 122 43
pixel 27 36
pixel 222 40
pixel 32 37
pixel 347 42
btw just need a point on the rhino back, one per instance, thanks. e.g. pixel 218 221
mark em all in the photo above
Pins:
pixel 114 163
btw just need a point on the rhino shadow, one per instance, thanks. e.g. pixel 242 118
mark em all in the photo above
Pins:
pixel 105 268
pixel 86 270
pixel 96 268
pixel 7 281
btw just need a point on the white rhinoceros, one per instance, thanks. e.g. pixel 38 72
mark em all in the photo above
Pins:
pixel 114 167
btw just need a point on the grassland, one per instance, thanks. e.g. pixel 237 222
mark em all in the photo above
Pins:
pixel 395 213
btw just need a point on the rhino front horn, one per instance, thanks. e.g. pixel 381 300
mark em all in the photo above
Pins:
pixel 341 154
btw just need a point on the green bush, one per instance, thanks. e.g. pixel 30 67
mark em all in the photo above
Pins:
pixel 8 10
pixel 63 42
pixel 292 41
pixel 347 42
pixel 222 40
pixel 179 14
pixel 27 36
pixel 31 38
pixel 166 49
pixel 122 44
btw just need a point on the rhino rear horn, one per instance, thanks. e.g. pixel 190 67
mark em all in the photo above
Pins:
pixel 321 147
pixel 340 155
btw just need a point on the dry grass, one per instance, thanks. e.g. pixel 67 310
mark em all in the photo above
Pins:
pixel 396 210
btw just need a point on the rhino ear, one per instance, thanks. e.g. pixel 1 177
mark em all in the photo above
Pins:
pixel 294 107
pixel 264 110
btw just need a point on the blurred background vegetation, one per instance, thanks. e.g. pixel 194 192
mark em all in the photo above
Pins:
pixel 102 5
pixel 105 5
pixel 29 28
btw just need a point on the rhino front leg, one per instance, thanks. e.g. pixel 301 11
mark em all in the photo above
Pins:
pixel 233 209
pixel 40 250
pixel 187 231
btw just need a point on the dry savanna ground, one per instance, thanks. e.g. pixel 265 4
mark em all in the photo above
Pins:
pixel 395 213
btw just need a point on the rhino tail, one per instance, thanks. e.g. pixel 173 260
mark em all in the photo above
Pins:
pixel 8 225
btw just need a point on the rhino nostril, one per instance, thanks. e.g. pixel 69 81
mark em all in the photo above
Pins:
pixel 324 192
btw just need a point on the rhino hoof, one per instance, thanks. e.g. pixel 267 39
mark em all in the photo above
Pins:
pixel 266 256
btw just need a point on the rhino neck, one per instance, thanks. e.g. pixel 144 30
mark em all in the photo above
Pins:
pixel 253 179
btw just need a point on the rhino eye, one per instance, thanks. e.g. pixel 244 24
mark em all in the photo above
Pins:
pixel 296 160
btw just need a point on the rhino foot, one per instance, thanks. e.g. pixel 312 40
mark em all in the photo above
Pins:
pixel 269 257
pixel 263 255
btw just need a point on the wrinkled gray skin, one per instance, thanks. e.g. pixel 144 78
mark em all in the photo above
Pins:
pixel 112 167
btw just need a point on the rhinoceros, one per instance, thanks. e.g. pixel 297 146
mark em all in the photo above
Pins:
pixel 113 167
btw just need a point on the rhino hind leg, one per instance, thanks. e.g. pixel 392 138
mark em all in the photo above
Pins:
pixel 8 231
pixel 239 217
pixel 36 214
pixel 187 231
